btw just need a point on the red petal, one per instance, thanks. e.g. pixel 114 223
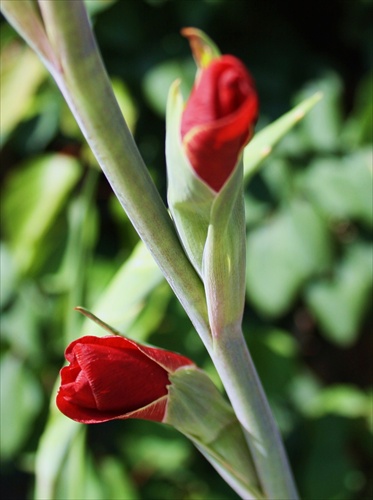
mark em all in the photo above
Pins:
pixel 218 120
pixel 114 377
pixel 169 360
pixel 155 411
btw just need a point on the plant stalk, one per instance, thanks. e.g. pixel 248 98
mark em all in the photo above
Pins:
pixel 235 366
pixel 83 81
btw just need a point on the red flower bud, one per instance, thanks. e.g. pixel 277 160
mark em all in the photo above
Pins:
pixel 115 378
pixel 219 119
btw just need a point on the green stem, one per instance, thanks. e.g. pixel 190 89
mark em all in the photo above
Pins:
pixel 236 368
pixel 24 16
pixel 83 81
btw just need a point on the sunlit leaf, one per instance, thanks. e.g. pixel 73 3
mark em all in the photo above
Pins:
pixel 53 448
pixel 16 90
pixel 21 400
pixel 125 102
pixel 344 400
pixel 96 6
pixel 118 483
pixel 264 141
pixel 157 82
pixel 125 297
pixel 34 195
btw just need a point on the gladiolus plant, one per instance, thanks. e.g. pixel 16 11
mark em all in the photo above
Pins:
pixel 200 250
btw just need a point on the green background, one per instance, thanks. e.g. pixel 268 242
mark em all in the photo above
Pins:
pixel 309 254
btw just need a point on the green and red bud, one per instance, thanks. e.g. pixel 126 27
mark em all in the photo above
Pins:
pixel 114 377
pixel 204 143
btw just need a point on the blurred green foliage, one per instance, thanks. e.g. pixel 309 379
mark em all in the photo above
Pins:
pixel 65 242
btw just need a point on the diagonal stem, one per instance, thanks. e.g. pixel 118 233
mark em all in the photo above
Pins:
pixel 245 391
pixel 84 83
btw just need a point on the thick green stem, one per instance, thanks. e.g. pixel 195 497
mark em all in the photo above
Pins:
pixel 236 368
pixel 82 79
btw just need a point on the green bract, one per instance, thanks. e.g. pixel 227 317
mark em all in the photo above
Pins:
pixel 197 409
pixel 210 225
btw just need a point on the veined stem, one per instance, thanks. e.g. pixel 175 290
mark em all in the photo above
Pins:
pixel 237 371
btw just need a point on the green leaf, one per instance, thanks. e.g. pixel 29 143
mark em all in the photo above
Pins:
pixel 158 80
pixel 359 125
pixel 153 312
pixel 321 129
pixel 118 482
pixel 342 188
pixel 149 450
pixel 279 178
pixel 74 476
pixel 125 102
pixel 21 401
pixel 208 420
pixel 262 144
pixel 339 304
pixel 54 444
pixel 16 91
pixel 22 321
pixel 80 477
pixel 275 356
pixel 96 6
pixel 9 275
pixel 33 197
pixel 125 298
pixel 282 254
pixel 344 400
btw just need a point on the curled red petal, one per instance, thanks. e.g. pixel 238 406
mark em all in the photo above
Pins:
pixel 169 360
pixel 155 411
pixel 114 377
pixel 219 119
